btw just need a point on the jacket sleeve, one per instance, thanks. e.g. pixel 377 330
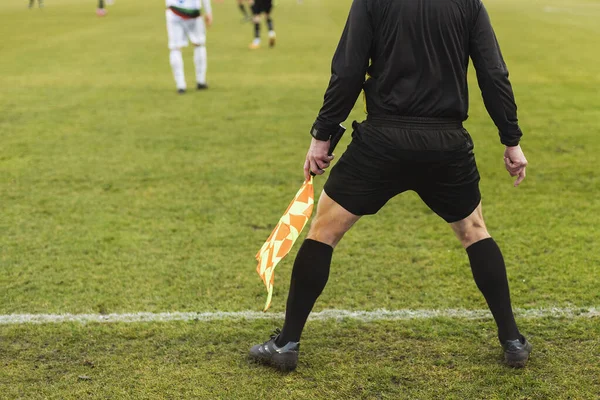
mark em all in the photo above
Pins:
pixel 206 7
pixel 492 76
pixel 348 70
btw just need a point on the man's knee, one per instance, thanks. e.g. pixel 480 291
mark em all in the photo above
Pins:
pixel 331 222
pixel 471 229
pixel 174 55
pixel 472 234
pixel 326 233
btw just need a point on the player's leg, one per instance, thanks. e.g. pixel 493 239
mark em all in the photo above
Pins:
pixel 243 9
pixel 256 12
pixel 101 11
pixel 449 185
pixel 177 66
pixel 471 229
pixel 177 40
pixel 459 203
pixel 331 222
pixel 196 30
pixel 31 2
pixel 489 272
pixel 360 183
pixel 201 64
pixel 311 267
pixel 309 277
pixel 269 20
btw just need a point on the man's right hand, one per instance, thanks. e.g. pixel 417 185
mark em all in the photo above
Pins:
pixel 317 158
pixel 515 162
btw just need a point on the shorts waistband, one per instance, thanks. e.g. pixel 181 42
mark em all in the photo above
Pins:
pixel 184 13
pixel 395 121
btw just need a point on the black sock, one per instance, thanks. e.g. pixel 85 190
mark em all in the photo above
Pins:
pixel 257 30
pixel 489 271
pixel 100 3
pixel 270 23
pixel 243 10
pixel 309 277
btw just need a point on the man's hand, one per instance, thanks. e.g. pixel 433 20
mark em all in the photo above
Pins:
pixel 208 19
pixel 515 162
pixel 317 158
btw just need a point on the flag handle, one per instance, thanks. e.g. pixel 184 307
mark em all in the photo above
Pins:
pixel 333 141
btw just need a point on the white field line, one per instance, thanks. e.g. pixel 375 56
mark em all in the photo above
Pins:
pixel 576 9
pixel 377 315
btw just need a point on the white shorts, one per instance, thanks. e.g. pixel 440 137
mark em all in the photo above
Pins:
pixel 180 29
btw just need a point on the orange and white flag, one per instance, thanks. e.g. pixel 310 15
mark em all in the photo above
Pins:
pixel 279 244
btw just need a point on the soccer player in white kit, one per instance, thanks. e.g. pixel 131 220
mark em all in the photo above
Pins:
pixel 183 23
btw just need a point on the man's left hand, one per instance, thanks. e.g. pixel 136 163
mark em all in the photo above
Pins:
pixel 208 19
pixel 515 163
pixel 317 158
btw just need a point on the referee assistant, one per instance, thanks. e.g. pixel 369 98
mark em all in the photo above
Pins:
pixel 415 55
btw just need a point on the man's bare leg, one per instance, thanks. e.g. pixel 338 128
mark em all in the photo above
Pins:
pixel 489 271
pixel 331 222
pixel 256 42
pixel 243 10
pixel 311 267
pixel 272 35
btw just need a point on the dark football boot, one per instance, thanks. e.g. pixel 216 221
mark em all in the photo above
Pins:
pixel 516 352
pixel 283 358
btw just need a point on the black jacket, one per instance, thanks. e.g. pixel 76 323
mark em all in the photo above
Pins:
pixel 411 57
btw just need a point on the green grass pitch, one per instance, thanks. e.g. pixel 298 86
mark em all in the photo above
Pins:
pixel 118 195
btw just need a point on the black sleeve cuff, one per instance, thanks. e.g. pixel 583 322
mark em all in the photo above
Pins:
pixel 323 131
pixel 511 138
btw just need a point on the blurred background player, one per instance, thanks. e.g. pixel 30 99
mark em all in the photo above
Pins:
pixel 243 9
pixel 183 23
pixel 242 6
pixel 40 3
pixel 101 11
pixel 258 8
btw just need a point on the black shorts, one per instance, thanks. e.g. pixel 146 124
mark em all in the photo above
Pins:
pixel 262 6
pixel 435 160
